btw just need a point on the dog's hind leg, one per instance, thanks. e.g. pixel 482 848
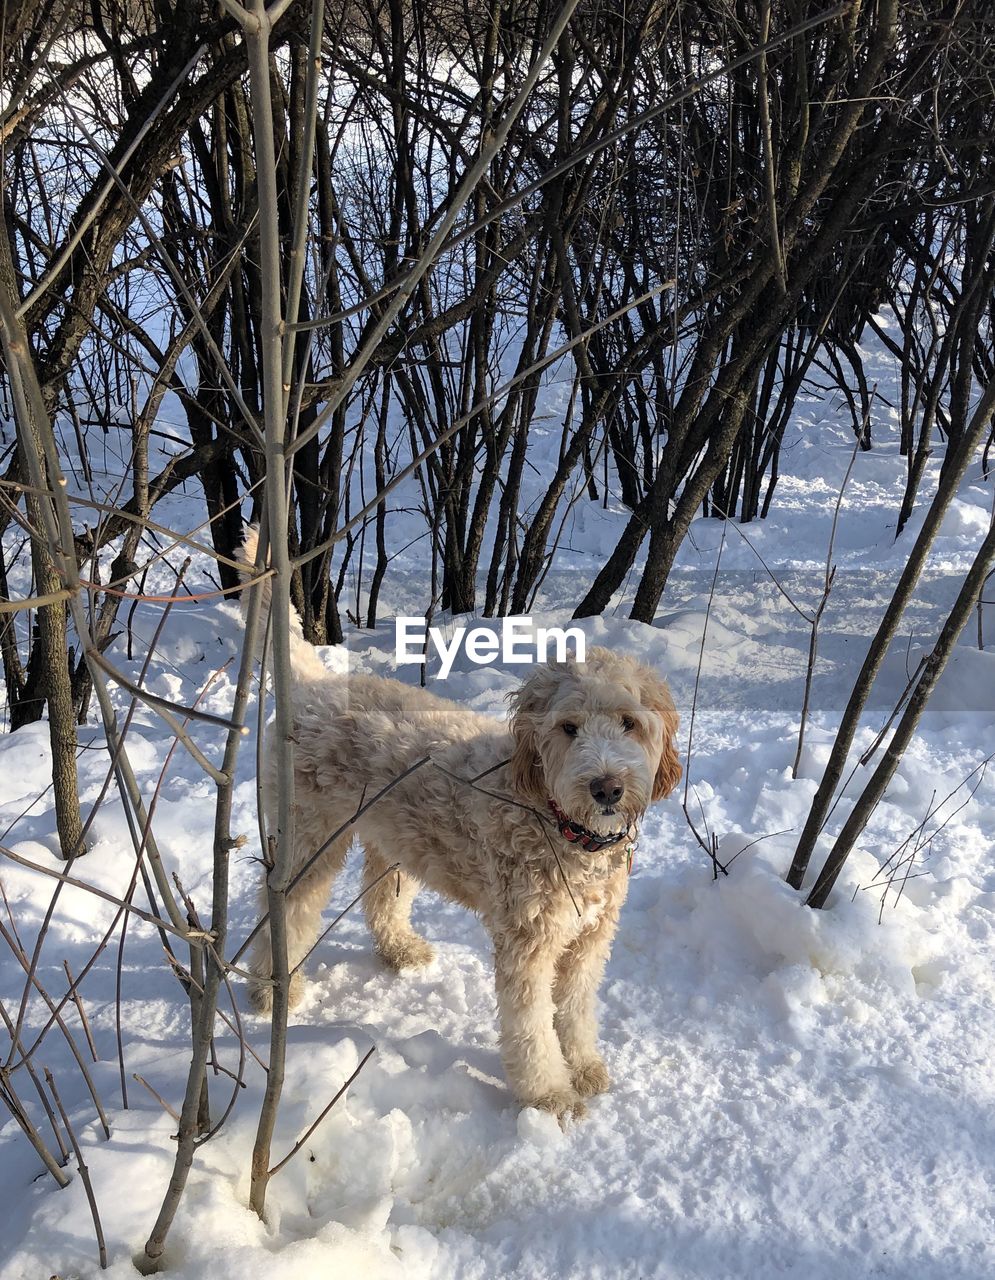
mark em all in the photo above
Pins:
pixel 304 906
pixel 388 913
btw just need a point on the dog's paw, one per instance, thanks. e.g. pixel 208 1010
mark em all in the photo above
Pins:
pixel 261 997
pixel 565 1104
pixel 406 953
pixel 261 994
pixel 591 1077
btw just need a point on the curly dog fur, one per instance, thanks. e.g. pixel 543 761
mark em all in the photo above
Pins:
pixel 579 733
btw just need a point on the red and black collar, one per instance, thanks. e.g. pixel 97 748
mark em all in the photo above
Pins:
pixel 591 841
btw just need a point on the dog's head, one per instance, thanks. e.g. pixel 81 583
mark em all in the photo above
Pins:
pixel 596 737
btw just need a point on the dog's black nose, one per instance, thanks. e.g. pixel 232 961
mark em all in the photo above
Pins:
pixel 607 790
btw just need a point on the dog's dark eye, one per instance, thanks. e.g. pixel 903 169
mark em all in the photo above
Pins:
pixel 570 730
pixel 628 724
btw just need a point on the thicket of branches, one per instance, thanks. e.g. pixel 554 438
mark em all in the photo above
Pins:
pixel 730 233
pixel 301 253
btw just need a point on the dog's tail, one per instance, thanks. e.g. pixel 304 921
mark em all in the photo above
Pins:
pixel 304 661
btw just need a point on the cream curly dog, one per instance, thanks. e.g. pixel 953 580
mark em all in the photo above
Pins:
pixel 534 842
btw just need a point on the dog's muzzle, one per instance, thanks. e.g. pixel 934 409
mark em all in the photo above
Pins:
pixel 576 833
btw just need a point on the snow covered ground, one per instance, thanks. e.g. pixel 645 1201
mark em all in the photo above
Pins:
pixel 795 1093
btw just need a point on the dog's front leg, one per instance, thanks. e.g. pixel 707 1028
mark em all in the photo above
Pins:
pixel 525 968
pixel 578 977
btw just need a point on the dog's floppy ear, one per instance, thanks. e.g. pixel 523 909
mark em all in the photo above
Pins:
pixel 527 703
pixel 653 693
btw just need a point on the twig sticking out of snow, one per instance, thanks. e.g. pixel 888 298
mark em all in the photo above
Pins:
pixel 301 1141
pixel 84 1172
pixel 61 1023
pixel 8 1094
pixel 709 842
pixel 158 1096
